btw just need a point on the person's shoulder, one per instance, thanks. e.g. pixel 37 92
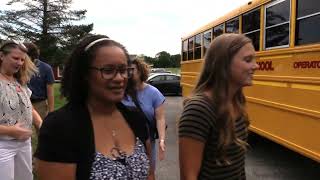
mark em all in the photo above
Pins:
pixel 127 110
pixel 198 100
pixel 135 119
pixel 131 113
pixel 152 91
pixel 44 64
pixel 59 118
pixel 200 104
pixel 149 87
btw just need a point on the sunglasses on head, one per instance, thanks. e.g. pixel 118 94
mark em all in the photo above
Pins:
pixel 13 42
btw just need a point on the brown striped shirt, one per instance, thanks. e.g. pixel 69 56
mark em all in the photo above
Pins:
pixel 198 121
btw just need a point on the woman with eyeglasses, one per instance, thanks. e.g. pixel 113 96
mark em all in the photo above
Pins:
pixel 94 136
pixel 16 112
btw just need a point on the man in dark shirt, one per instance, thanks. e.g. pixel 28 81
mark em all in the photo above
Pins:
pixel 41 84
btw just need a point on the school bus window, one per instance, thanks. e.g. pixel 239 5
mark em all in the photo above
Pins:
pixel 218 30
pixel 251 27
pixel 197 49
pixel 185 50
pixel 190 48
pixel 277 24
pixel 206 41
pixel 232 26
pixel 308 22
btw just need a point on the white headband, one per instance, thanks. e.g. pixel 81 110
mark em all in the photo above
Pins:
pixel 95 42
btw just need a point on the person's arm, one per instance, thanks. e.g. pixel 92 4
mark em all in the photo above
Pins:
pixel 17 131
pixel 151 174
pixel 50 95
pixel 194 128
pixel 56 155
pixel 53 170
pixel 161 126
pixel 37 121
pixel 190 158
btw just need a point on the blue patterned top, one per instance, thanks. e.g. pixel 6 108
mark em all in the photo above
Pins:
pixel 131 167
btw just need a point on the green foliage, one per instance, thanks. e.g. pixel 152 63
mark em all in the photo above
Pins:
pixel 175 60
pixel 59 101
pixel 48 23
pixel 149 60
pixel 163 60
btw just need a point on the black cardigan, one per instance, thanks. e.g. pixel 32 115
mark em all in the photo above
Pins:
pixel 67 136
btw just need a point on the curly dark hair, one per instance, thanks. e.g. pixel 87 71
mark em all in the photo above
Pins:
pixel 33 50
pixel 142 68
pixel 74 83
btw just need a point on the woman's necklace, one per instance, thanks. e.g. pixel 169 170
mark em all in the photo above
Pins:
pixel 17 86
pixel 116 152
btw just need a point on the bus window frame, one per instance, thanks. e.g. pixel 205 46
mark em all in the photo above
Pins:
pixel 308 16
pixel 231 20
pixel 193 39
pixel 203 35
pixel 223 30
pixel 198 47
pixel 185 41
pixel 303 18
pixel 254 31
pixel 270 4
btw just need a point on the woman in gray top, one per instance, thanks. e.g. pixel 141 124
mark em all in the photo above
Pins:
pixel 16 112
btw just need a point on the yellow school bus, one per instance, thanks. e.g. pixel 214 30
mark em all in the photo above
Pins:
pixel 284 101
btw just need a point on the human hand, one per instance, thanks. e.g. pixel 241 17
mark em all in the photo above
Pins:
pixel 19 132
pixel 162 149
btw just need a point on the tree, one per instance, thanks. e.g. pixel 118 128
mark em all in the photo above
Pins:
pixel 175 60
pixel 149 60
pixel 48 23
pixel 162 60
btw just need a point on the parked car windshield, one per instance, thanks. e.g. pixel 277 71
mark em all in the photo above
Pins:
pixel 166 83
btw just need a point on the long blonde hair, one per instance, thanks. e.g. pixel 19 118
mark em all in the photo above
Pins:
pixel 215 77
pixel 28 68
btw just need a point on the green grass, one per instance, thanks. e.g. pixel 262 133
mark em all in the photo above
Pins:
pixel 174 70
pixel 58 100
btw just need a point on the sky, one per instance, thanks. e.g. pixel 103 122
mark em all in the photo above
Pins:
pixel 151 26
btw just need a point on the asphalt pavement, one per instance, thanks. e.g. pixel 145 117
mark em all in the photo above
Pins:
pixel 265 159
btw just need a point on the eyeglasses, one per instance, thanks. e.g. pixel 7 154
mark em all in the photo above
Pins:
pixel 111 71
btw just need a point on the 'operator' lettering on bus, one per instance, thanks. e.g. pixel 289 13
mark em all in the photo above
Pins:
pixel 306 65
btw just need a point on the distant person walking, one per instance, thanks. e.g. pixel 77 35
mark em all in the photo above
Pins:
pixel 151 102
pixel 41 84
pixel 16 112
pixel 214 124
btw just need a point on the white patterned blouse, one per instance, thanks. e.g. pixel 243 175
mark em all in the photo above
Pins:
pixel 15 105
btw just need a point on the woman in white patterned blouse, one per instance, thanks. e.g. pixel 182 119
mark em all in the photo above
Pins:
pixel 16 112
